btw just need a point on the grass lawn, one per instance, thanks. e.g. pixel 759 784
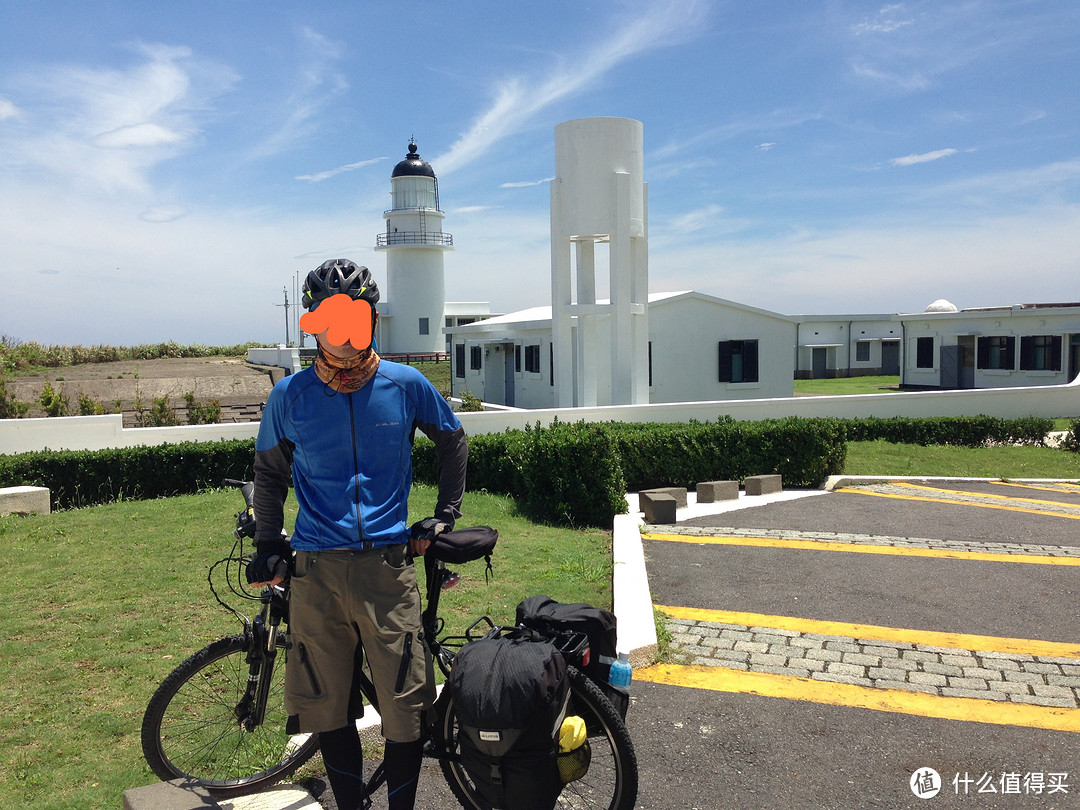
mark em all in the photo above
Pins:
pixel 883 458
pixel 847 385
pixel 103 602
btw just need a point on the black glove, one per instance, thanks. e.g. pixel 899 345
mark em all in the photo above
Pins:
pixel 271 560
pixel 428 528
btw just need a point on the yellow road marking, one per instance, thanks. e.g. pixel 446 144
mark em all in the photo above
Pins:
pixel 1056 488
pixel 960 641
pixel 857 548
pixel 984 495
pixel 897 701
pixel 963 503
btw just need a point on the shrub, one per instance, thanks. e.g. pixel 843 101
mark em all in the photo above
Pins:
pixel 471 402
pixel 578 473
pixel 1071 441
pixel 83 477
pixel 11 408
pixel 55 403
pixel 202 413
pixel 961 431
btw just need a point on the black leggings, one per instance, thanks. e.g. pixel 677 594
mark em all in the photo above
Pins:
pixel 344 761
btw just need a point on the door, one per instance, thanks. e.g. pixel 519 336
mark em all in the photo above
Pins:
pixel 950 367
pixel 890 358
pixel 1074 356
pixel 966 377
pixel 820 362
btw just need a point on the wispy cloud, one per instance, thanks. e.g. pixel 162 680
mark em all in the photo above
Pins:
pixel 926 157
pixel 526 183
pixel 319 82
pixel 318 177
pixel 109 127
pixel 518 99
pixel 8 109
pixel 888 19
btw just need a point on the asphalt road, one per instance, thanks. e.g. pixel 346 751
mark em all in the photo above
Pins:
pixel 705 748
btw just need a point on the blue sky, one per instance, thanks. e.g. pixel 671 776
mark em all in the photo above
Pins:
pixel 167 168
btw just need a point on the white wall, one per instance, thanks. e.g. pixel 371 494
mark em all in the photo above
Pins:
pixel 97 432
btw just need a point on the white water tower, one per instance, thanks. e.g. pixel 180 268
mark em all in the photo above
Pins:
pixel 599 197
pixel 414 243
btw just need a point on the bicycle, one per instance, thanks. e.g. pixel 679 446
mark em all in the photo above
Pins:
pixel 219 717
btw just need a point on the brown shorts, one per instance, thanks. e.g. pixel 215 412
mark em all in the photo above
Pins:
pixel 340 600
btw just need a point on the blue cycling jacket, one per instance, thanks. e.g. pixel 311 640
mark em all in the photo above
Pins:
pixel 350 458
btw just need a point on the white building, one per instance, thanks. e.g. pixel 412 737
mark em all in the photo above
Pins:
pixel 699 348
pixel 991 347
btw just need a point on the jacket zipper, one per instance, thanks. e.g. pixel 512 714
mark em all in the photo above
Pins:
pixel 356 473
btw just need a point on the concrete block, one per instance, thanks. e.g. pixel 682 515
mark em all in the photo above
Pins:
pixel 678 493
pixel 762 484
pixel 24 500
pixel 658 508
pixel 713 491
pixel 179 794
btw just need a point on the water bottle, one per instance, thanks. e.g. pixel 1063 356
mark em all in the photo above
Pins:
pixel 621 671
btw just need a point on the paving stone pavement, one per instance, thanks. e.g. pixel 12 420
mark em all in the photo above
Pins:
pixel 944 671
pixel 870 540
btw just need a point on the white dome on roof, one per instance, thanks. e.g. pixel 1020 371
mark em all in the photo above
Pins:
pixel 941 305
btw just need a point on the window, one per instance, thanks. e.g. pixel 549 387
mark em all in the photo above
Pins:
pixel 997 352
pixel 459 360
pixel 924 352
pixel 650 364
pixel 424 326
pixel 476 357
pixel 738 361
pixel 862 351
pixel 1040 353
pixel 532 359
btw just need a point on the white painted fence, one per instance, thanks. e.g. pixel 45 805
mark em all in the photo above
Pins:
pixel 99 432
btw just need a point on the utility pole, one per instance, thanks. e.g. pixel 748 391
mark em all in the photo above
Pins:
pixel 286 305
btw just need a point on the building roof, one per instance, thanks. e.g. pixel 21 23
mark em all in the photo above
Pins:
pixel 412 165
pixel 540 317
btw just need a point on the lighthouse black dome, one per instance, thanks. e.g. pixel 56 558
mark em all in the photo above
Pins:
pixel 413 166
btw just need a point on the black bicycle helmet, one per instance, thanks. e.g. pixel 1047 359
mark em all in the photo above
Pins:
pixel 339 276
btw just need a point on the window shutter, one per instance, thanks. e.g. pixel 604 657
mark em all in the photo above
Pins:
pixel 1027 353
pixel 1054 363
pixel 725 361
pixel 1010 353
pixel 750 361
pixel 983 353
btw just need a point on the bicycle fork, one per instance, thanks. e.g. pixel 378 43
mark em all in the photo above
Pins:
pixel 250 711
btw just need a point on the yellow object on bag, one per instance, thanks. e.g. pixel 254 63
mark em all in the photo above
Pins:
pixel 574 752
pixel 572 734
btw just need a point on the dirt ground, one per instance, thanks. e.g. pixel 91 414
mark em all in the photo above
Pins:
pixel 240 387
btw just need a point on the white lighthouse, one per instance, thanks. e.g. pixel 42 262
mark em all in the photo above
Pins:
pixel 414 243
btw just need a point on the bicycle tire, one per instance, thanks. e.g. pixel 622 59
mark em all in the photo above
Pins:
pixel 611 782
pixel 190 729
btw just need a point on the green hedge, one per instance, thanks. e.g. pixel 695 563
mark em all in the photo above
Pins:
pixel 961 431
pixel 85 477
pixel 578 473
pixel 569 473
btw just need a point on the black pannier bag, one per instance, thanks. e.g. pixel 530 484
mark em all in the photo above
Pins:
pixel 545 615
pixel 510 695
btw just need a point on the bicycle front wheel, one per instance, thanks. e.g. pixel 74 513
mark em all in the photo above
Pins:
pixel 611 781
pixel 193 727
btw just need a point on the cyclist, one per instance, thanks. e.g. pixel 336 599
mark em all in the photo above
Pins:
pixel 343 430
